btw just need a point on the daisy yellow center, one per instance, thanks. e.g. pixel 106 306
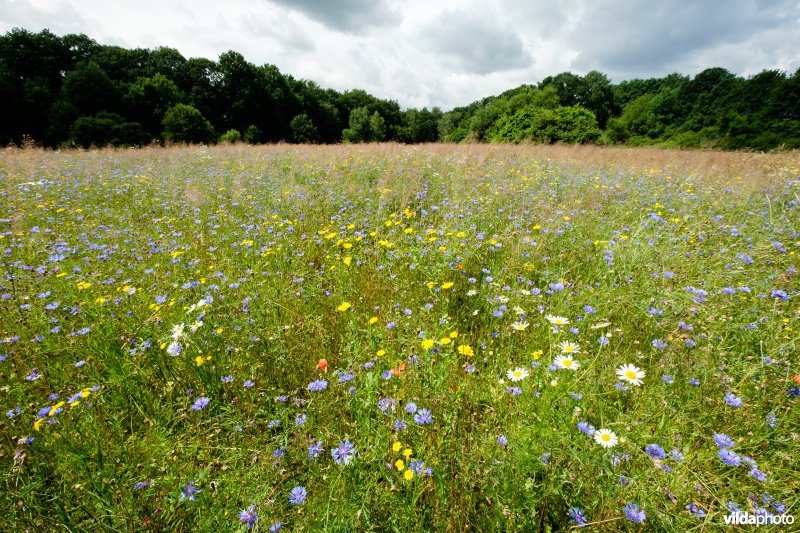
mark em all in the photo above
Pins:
pixel 559 322
pixel 605 437
pixel 569 349
pixel 630 374
pixel 517 374
pixel 567 362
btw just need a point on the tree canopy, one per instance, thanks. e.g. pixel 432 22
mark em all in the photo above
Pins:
pixel 72 91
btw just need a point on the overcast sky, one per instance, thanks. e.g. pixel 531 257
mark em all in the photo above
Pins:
pixel 442 53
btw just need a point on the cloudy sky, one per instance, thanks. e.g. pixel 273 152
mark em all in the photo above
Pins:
pixel 442 53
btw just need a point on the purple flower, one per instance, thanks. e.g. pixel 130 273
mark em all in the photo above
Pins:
pixel 577 516
pixel 189 491
pixel 399 425
pixel 276 527
pixel 344 453
pixel 344 377
pixel 659 344
pixel 586 428
pixel 297 495
pixel 655 451
pixel 226 379
pixel 722 440
pixel 200 403
pixel 248 516
pixel 634 513
pixel 300 419
pixel 33 375
pixel 318 385
pixel 139 485
pixel 757 474
pixel 696 510
pixel 502 440
pixel 423 416
pixel 314 450
pixel 667 379
pixel 733 400
pixel 247 384
pixel 729 457
pixel 411 407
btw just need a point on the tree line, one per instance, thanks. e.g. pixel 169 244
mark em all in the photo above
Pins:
pixel 72 91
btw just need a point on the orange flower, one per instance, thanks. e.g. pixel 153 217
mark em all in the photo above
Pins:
pixel 323 365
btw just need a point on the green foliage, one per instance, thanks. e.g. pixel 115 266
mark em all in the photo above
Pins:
pixel 184 123
pixel 303 130
pixel 230 137
pixel 364 127
pixel 107 128
pixel 572 124
pixel 252 135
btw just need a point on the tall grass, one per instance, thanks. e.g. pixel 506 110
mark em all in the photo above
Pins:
pixel 163 314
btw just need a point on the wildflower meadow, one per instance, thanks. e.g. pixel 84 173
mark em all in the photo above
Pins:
pixel 388 338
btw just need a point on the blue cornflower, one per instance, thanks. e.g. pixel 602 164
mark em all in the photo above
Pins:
pixel 502 440
pixel 655 451
pixel 694 382
pixel 757 474
pixel 602 340
pixel 226 379
pixel 586 428
pixel 300 419
pixel 515 391
pixel 696 510
pixel 411 408
pixel 344 377
pixel 247 384
pixel 344 452
pixel 423 416
pixel 577 516
pixel 733 400
pixel 399 425
pixel 667 379
pixel 276 527
pixel 200 403
pixel 279 452
pixel 634 513
pixel 189 491
pixel 729 457
pixel 297 495
pixel 677 455
pixel 248 516
pixel 139 485
pixel 722 440
pixel 659 344
pixel 318 385
pixel 314 450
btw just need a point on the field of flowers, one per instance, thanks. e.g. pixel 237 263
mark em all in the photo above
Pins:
pixel 395 339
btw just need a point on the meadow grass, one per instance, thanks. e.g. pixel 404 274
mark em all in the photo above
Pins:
pixel 163 314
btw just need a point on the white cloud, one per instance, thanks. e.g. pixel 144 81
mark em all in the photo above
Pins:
pixel 447 53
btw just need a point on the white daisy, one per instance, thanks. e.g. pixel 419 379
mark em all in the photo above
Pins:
pixel 557 320
pixel 631 374
pixel 178 332
pixel 569 347
pixel 566 362
pixel 518 374
pixel 605 438
pixel 520 326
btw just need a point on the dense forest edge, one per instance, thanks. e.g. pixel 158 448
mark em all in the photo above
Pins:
pixel 70 91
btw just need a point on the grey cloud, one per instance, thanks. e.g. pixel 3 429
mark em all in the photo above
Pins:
pixel 349 16
pixel 635 37
pixel 474 44
pixel 61 18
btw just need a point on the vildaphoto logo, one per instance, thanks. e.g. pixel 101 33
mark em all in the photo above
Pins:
pixel 745 518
